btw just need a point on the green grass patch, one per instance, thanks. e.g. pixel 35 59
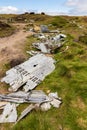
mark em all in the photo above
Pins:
pixel 69 79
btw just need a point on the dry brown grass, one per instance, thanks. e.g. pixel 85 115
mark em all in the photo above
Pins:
pixel 82 123
pixel 78 103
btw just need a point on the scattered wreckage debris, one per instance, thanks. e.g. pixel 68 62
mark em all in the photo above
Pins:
pixel 37 98
pixel 30 73
pixel 53 100
pixel 41 28
pixel 40 36
pixel 59 37
pixel 34 96
pixel 9 113
pixel 44 29
pixel 47 47
pixel 51 44
pixel 54 31
pixel 32 53
pixel 26 111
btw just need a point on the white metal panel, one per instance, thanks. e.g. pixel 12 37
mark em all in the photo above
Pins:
pixel 38 66
pixel 9 114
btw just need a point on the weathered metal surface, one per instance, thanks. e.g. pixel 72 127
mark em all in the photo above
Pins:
pixel 45 106
pixel 25 112
pixel 59 37
pixel 43 47
pixel 40 36
pixel 53 100
pixel 50 44
pixel 44 29
pixel 31 72
pixel 35 96
pixel 9 113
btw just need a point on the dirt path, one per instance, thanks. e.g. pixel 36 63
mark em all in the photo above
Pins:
pixel 10 47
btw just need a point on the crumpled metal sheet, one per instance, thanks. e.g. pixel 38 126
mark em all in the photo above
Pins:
pixel 31 72
pixel 26 111
pixel 54 100
pixel 45 106
pixel 35 96
pixel 9 113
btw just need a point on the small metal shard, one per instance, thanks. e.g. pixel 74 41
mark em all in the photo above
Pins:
pixel 26 111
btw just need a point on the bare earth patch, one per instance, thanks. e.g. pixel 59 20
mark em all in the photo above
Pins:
pixel 11 46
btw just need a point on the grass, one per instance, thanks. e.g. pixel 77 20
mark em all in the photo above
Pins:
pixel 83 38
pixel 6 30
pixel 69 79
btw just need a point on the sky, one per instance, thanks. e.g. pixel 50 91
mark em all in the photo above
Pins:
pixel 51 7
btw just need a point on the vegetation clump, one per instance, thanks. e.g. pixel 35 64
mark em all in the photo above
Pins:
pixel 83 39
pixel 59 22
pixel 6 29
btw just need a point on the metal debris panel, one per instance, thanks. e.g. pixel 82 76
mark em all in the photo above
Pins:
pixel 9 114
pixel 34 96
pixel 37 97
pixel 31 72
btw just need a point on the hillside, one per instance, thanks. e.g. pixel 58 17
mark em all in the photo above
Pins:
pixel 69 78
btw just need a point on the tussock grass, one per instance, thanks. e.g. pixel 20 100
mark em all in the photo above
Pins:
pixel 6 29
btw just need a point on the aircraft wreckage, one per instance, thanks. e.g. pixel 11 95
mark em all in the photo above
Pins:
pixel 30 73
pixel 49 45
pixel 37 97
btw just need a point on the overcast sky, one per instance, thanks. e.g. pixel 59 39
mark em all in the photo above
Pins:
pixel 53 7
